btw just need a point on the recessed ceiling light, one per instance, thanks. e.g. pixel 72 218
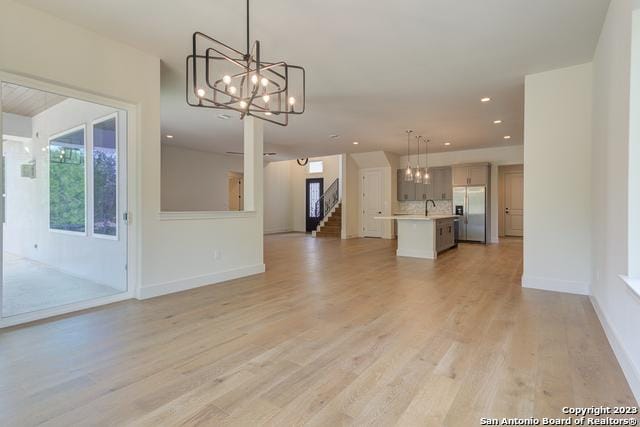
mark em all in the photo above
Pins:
pixel 497 122
pixel 507 137
pixel 268 113
pixel 355 143
pixel 169 136
pixel 334 136
pixel 224 116
pixel 447 144
pixel 485 99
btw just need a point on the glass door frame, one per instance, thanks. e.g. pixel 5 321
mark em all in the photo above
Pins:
pixel 128 173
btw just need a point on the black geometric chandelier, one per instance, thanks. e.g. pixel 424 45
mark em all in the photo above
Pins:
pixel 223 78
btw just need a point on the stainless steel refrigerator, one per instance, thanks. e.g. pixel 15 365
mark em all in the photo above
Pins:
pixel 471 204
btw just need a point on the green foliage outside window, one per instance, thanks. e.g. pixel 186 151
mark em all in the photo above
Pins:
pixel 67 182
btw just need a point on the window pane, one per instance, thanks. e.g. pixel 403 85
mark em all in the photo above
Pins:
pixel 314 196
pixel 105 191
pixel 315 167
pixel 66 182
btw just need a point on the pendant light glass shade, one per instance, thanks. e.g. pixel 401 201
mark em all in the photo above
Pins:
pixel 427 177
pixel 417 176
pixel 408 175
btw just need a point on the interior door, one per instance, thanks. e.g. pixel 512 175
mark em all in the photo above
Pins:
pixel 235 193
pixel 372 203
pixel 513 210
pixel 313 209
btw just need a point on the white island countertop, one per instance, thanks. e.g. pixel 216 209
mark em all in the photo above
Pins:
pixel 413 217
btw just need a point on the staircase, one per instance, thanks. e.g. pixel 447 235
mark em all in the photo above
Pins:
pixel 331 225
pixel 330 202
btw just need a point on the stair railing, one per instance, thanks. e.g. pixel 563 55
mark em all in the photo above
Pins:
pixel 329 198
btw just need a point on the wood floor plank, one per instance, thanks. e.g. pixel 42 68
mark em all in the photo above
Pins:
pixel 333 333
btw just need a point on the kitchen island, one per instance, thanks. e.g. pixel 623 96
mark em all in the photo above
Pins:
pixel 421 236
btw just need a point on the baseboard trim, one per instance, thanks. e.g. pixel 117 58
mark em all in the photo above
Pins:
pixel 416 253
pixel 629 369
pixel 159 289
pixel 278 230
pixel 555 285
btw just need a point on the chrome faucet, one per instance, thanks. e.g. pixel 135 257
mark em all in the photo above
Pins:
pixel 426 206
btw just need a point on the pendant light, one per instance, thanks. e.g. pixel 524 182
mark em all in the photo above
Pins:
pixel 417 178
pixel 426 179
pixel 408 175
pixel 224 78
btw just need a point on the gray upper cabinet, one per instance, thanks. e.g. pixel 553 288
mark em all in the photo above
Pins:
pixel 460 175
pixel 423 192
pixel 477 174
pixel 441 188
pixel 406 190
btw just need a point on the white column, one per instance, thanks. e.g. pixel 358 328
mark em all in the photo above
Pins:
pixel 254 173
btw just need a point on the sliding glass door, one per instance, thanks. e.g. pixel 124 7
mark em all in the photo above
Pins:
pixel 64 236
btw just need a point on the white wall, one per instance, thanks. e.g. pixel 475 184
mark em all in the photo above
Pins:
pixel 615 137
pixel 497 156
pixel 278 214
pixel 26 231
pixel 350 199
pixel 557 198
pixel 195 180
pixel 16 125
pixel 172 253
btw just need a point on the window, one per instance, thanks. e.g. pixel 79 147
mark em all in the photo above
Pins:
pixel 67 181
pixel 105 177
pixel 315 167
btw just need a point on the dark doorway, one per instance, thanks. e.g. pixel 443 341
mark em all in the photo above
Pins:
pixel 314 210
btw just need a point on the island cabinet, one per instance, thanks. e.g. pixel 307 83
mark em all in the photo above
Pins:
pixel 445 234
pixel 474 174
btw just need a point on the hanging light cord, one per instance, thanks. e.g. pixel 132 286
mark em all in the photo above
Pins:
pixel 409 148
pixel 418 164
pixel 248 47
pixel 426 155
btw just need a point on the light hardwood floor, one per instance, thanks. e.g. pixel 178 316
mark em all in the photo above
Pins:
pixel 334 333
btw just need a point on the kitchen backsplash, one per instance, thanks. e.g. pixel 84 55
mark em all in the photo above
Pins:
pixel 443 207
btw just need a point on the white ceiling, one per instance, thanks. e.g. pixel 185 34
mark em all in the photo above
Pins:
pixel 374 68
